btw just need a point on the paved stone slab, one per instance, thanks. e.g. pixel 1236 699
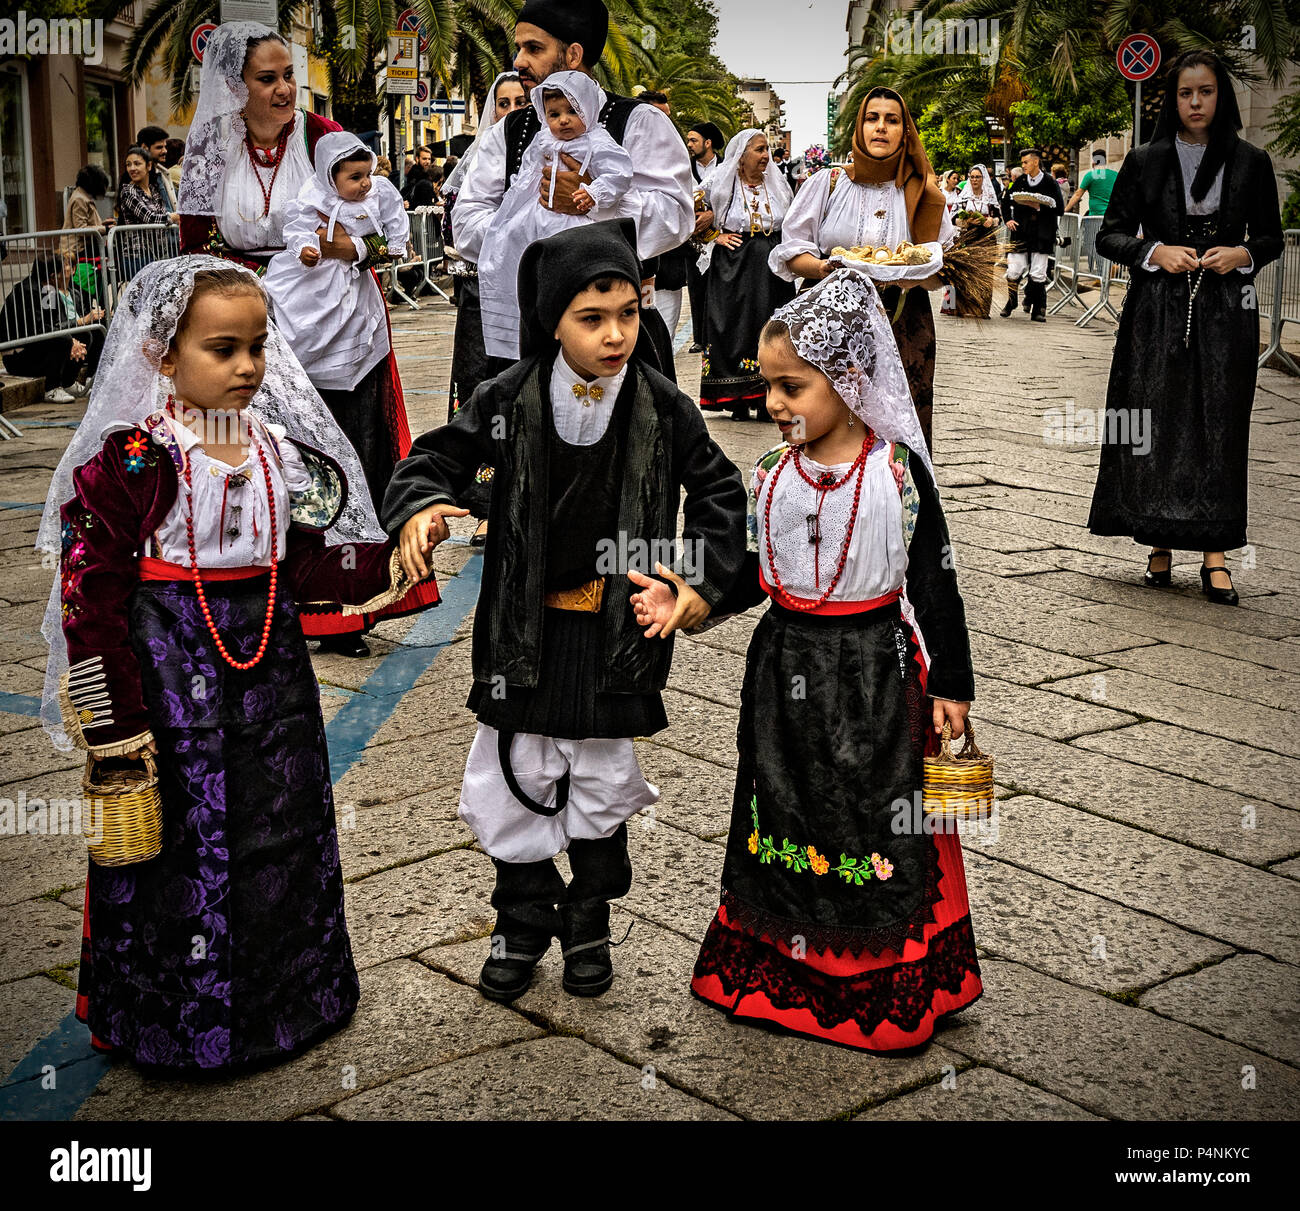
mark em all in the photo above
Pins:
pixel 1022 663
pixel 29 1010
pixel 707 672
pixel 1225 900
pixel 424 713
pixel 48 936
pixel 1036 711
pixel 1252 773
pixel 31 866
pixel 1074 935
pixel 694 795
pixel 1212 670
pixel 389 772
pixel 976 1095
pixel 1202 710
pixel 376 838
pixel 546 1080
pixel 409 1018
pixel 1116 1060
pixel 398 912
pixel 1290 869
pixel 650 1017
pixel 22 757
pixel 1248 999
pixel 697 727
pixel 11 723
pixel 1268 653
pixel 997 563
pixel 1187 608
pixel 1147 798
pixel 676 878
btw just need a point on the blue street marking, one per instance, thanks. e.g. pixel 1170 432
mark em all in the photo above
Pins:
pixel 369 709
pixel 67 1048
pixel 681 335
pixel 78 1069
pixel 23 506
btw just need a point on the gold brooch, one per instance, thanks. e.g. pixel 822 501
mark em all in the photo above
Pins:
pixel 587 394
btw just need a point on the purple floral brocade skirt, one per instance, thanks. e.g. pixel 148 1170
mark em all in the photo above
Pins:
pixel 230 949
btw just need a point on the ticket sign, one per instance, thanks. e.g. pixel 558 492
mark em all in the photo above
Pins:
pixel 403 62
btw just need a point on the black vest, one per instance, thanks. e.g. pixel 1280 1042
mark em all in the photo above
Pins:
pixel 523 126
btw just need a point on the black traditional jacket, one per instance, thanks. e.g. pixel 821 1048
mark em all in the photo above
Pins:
pixel 1035 229
pixel 1148 195
pixel 668 449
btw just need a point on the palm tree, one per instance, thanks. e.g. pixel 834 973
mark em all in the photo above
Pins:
pixel 469 41
pixel 696 98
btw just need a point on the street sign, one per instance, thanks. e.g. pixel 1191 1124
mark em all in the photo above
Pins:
pixel 443 106
pixel 199 39
pixel 403 63
pixel 263 11
pixel 409 22
pixel 422 92
pixel 1138 57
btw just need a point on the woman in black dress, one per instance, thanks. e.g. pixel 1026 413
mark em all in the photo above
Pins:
pixel 1176 439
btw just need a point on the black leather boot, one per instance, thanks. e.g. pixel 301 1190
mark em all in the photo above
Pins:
pixel 525 897
pixel 584 935
pixel 1010 308
pixel 511 963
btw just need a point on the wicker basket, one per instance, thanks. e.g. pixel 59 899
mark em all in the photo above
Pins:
pixel 123 808
pixel 959 787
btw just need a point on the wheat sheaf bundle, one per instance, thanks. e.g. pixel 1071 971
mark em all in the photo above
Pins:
pixel 971 269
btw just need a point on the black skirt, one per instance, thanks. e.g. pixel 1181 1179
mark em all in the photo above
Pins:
pixel 565 703
pixel 742 295
pixel 1176 437
pixel 360 414
pixel 831 737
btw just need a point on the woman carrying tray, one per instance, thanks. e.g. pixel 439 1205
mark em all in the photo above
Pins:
pixel 888 195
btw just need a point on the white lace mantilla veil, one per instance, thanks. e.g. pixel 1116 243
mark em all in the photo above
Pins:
pixel 987 193
pixel 487 119
pixel 840 327
pixel 218 124
pixel 129 386
pixel 723 182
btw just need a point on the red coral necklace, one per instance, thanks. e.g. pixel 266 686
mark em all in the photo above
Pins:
pixel 824 483
pixel 242 665
pixel 267 157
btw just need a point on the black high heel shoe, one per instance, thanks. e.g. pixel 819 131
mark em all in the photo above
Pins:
pixel 1220 596
pixel 1159 580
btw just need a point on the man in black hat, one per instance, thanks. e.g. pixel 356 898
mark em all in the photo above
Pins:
pixel 592 449
pixel 569 35
pixel 705 142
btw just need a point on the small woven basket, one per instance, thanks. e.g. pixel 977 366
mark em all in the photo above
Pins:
pixel 123 810
pixel 958 787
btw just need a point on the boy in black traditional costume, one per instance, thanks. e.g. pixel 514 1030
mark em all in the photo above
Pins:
pixel 591 448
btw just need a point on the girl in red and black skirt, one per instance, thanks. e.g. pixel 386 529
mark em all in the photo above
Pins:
pixel 840 917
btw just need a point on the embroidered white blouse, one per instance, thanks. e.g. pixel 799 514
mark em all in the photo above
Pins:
pixel 850 216
pixel 231 498
pixel 240 217
pixel 877 558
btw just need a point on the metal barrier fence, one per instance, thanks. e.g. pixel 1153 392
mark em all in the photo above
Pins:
pixel 1112 274
pixel 1076 255
pixel 1277 287
pixel 426 259
pixel 133 246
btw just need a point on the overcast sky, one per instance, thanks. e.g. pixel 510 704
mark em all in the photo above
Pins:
pixel 788 40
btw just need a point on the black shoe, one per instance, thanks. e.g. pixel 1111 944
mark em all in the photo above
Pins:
pixel 740 414
pixel 1039 314
pixel 1159 580
pixel 1025 303
pixel 509 968
pixel 345 645
pixel 1220 596
pixel 588 969
pixel 480 536
pixel 696 347
pixel 1010 307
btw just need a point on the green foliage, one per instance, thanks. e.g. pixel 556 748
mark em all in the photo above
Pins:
pixel 953 143
pixel 698 84
pixel 1291 207
pixel 1061 121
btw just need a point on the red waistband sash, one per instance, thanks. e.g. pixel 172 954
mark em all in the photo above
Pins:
pixel 790 602
pixel 159 569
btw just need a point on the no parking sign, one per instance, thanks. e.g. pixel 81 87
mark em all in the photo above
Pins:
pixel 1138 59
pixel 199 39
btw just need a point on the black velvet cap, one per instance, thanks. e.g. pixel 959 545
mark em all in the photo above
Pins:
pixel 553 271
pixel 707 130
pixel 582 21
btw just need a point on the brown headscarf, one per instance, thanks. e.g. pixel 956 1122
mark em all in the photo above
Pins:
pixel 909 169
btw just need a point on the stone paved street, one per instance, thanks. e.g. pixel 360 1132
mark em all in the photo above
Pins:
pixel 1137 908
